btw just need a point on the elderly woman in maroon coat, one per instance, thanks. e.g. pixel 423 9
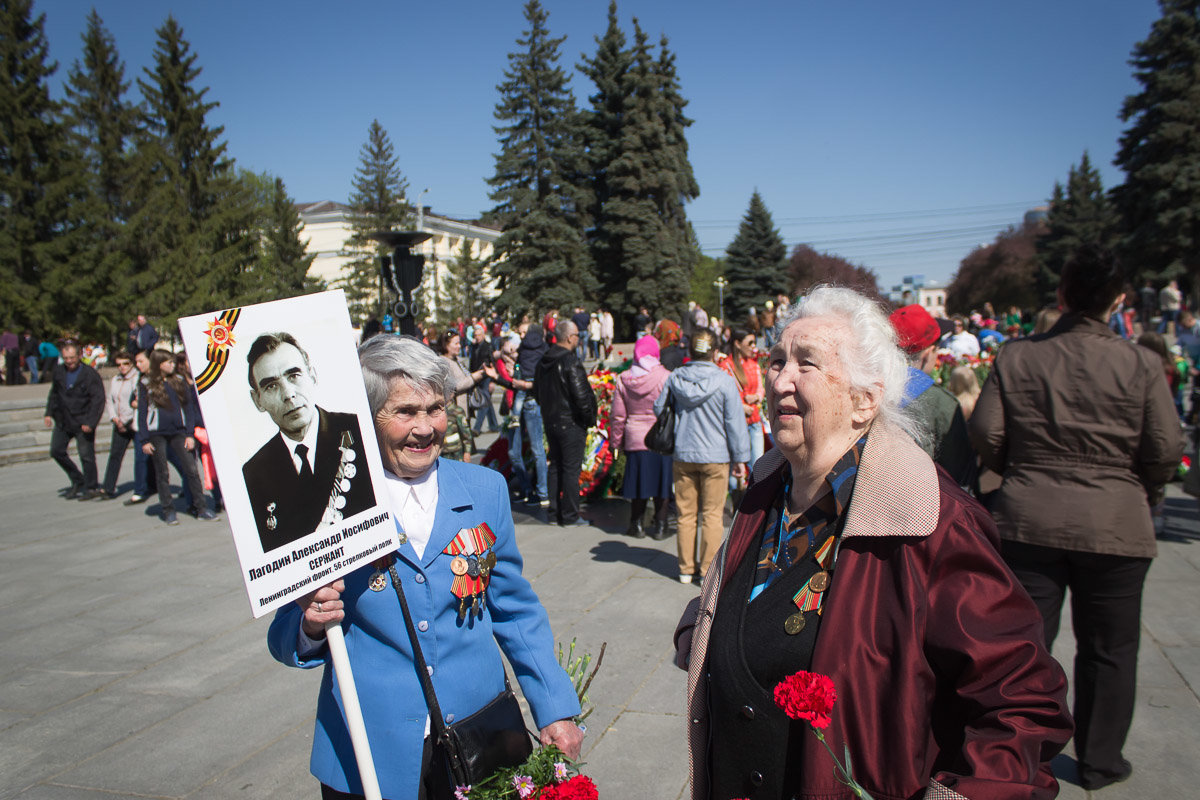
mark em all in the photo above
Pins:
pixel 854 556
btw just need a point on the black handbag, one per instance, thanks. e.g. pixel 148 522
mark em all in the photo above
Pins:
pixel 661 436
pixel 469 750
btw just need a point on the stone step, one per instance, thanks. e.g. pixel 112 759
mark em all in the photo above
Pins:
pixel 9 426
pixel 41 452
pixel 16 441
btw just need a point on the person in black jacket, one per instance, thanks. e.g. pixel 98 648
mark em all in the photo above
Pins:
pixel 568 407
pixel 74 409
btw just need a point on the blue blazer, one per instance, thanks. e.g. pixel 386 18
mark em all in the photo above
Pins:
pixel 467 668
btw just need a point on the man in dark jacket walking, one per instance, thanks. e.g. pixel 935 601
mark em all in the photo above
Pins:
pixel 568 407
pixel 74 409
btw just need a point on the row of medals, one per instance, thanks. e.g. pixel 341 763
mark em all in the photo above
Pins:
pixel 341 485
pixel 817 583
pixel 473 566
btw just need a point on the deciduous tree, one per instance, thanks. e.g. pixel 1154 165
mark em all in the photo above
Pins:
pixel 1001 273
pixel 808 268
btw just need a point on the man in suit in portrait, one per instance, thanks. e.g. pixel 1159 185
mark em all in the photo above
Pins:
pixel 313 472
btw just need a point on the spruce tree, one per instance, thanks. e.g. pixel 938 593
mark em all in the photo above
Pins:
pixel 377 203
pixel 192 238
pixel 542 260
pixel 755 263
pixel 281 269
pixel 1159 202
pixel 640 176
pixel 39 176
pixel 462 293
pixel 602 123
pixel 103 123
pixel 685 188
pixel 1080 214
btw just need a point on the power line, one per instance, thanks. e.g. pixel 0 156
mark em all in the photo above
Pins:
pixel 883 215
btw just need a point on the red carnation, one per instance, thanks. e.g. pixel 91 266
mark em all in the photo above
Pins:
pixel 807 695
pixel 579 787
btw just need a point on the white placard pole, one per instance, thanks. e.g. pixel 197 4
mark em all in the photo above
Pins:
pixel 354 719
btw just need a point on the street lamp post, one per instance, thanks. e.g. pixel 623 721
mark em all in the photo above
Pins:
pixel 721 283
pixel 402 272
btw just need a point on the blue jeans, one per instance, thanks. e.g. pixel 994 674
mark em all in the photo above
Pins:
pixel 487 411
pixel 31 363
pixel 756 451
pixel 531 414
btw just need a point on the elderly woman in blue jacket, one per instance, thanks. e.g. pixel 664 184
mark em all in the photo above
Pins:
pixel 437 503
pixel 710 435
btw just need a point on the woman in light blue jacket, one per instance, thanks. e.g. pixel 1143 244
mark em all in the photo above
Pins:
pixel 710 434
pixel 442 508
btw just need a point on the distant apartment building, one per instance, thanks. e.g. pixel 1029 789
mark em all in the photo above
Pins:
pixel 916 289
pixel 327 229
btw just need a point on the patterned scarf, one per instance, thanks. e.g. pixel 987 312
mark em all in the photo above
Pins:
pixel 794 539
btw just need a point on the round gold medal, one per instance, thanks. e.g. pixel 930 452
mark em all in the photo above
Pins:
pixel 458 565
pixel 819 582
pixel 794 624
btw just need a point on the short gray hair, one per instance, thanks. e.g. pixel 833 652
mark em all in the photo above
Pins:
pixel 564 328
pixel 386 359
pixel 870 355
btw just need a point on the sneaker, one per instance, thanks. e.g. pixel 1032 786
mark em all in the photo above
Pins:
pixel 170 518
pixel 205 515
pixel 578 522
pixel 544 503
pixel 135 499
pixel 685 578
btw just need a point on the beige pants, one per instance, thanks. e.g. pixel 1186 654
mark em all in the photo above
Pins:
pixel 700 490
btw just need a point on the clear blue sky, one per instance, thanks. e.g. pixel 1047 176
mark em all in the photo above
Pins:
pixel 898 135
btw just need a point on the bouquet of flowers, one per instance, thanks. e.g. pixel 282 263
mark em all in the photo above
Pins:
pixel 547 774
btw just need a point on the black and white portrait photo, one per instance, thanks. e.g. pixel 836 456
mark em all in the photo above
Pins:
pixel 308 474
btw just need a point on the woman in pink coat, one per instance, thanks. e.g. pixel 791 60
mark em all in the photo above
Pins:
pixel 647 474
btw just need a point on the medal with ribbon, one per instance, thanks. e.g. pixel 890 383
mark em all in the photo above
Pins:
pixel 472 566
pixel 812 593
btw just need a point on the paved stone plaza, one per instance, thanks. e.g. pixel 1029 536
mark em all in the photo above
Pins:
pixel 133 668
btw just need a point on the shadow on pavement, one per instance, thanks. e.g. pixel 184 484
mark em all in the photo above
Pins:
pixel 653 559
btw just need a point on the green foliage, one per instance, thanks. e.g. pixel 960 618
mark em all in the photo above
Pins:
pixel 39 176
pixel 461 294
pixel 1082 214
pixel 755 263
pixel 281 266
pixel 377 203
pixel 1159 151
pixel 639 175
pixel 191 239
pixel 701 288
pixel 102 124
pixel 576 668
pixel 542 259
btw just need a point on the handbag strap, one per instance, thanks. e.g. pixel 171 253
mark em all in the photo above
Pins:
pixel 435 711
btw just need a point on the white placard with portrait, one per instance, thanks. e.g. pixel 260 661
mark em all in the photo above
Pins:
pixel 292 441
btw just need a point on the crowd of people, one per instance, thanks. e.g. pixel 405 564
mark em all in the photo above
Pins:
pixel 150 403
pixel 872 476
